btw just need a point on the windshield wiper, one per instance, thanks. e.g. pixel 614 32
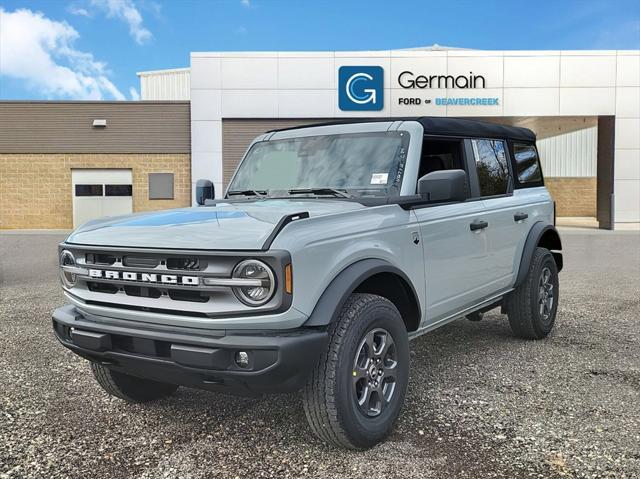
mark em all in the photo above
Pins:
pixel 258 193
pixel 320 191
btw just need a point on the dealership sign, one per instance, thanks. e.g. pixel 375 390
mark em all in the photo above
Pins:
pixel 361 88
pixel 408 79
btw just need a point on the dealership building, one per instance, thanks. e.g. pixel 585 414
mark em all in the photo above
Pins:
pixel 64 162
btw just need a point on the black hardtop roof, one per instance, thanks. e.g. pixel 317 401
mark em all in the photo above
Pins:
pixel 434 125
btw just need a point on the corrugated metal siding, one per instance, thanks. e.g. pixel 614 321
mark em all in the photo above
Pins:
pixel 66 127
pixel 572 154
pixel 166 85
pixel 238 134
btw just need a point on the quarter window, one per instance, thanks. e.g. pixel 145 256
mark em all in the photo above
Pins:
pixel 527 164
pixel 491 164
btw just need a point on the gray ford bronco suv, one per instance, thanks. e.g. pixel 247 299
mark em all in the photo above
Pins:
pixel 333 246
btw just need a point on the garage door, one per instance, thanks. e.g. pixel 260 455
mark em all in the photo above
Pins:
pixel 98 193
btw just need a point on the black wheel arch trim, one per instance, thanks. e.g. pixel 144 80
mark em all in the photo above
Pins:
pixel 540 234
pixel 328 307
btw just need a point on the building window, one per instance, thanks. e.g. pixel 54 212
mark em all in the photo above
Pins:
pixel 527 164
pixel 88 190
pixel 160 186
pixel 491 164
pixel 118 190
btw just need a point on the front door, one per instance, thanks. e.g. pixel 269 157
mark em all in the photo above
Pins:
pixel 454 257
pixel 454 254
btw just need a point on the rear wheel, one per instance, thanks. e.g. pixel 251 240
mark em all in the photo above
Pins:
pixel 130 388
pixel 356 391
pixel 533 305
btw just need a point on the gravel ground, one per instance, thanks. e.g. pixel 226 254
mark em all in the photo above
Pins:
pixel 481 403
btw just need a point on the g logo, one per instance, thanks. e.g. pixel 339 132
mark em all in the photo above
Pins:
pixel 370 93
pixel 361 88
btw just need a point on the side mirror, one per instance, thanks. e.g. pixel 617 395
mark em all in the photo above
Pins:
pixel 204 191
pixel 444 185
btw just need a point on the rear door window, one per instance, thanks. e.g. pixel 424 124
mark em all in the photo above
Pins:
pixel 527 163
pixel 491 165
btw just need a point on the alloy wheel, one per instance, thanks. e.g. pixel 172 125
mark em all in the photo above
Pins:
pixel 374 372
pixel 545 294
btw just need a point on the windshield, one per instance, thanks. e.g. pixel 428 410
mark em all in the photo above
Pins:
pixel 353 164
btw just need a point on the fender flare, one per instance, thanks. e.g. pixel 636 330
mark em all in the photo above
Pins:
pixel 330 304
pixel 537 231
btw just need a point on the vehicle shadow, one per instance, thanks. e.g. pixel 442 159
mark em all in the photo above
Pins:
pixel 433 356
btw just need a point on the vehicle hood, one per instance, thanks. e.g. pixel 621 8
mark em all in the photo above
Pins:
pixel 224 226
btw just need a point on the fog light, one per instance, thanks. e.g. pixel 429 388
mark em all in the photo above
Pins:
pixel 242 359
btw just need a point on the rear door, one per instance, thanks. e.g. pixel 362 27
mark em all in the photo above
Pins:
pixel 505 213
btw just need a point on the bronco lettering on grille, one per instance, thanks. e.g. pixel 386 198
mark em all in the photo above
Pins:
pixel 145 277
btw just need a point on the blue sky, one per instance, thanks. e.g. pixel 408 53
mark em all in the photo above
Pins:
pixel 92 49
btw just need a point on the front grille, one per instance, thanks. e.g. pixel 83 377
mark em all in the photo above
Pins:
pixel 166 282
pixel 142 292
pixel 167 279
pixel 102 287
pixel 186 264
pixel 153 275
pixel 184 295
pixel 140 261
pixel 100 259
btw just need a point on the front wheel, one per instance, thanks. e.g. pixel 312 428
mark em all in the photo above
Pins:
pixel 533 305
pixel 357 389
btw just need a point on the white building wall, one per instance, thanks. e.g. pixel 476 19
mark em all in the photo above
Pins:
pixel 527 83
pixel 627 139
pixel 165 85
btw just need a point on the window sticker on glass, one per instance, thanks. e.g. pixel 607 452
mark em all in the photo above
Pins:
pixel 379 178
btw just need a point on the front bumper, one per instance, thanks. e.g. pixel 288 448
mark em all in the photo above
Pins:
pixel 279 361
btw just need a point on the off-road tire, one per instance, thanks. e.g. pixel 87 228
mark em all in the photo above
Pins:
pixel 329 397
pixel 130 388
pixel 523 305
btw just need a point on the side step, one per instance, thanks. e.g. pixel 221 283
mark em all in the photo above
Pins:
pixel 479 314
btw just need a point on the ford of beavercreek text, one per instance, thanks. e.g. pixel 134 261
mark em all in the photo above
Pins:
pixel 332 247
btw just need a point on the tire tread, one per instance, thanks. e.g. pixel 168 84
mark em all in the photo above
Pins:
pixel 319 398
pixel 521 318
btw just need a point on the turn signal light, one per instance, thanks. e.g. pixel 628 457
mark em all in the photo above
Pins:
pixel 288 279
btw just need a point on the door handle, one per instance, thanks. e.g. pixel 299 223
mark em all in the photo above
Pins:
pixel 520 216
pixel 478 225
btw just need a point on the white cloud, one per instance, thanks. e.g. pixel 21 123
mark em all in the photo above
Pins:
pixel 135 96
pixel 41 52
pixel 126 10
pixel 240 31
pixel 81 12
pixel 245 3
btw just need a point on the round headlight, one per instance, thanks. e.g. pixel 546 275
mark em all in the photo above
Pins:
pixel 67 259
pixel 254 295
